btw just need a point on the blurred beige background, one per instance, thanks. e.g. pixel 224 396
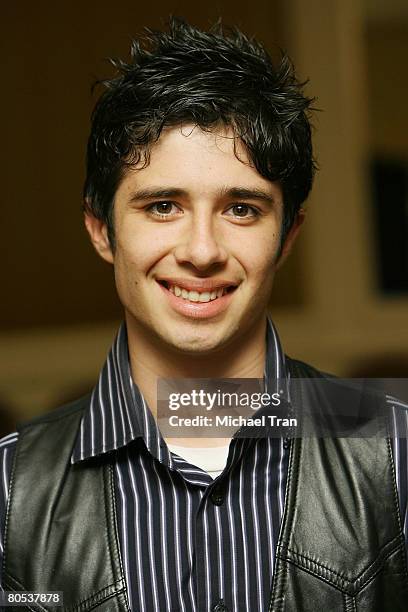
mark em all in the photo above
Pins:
pixel 59 310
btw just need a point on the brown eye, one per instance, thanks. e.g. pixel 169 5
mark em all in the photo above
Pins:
pixel 243 211
pixel 163 208
pixel 240 210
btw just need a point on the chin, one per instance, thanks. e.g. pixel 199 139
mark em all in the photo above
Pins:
pixel 196 339
pixel 194 344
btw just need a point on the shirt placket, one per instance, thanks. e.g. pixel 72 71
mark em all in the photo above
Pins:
pixel 209 584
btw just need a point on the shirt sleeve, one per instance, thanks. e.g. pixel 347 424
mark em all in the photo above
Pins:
pixel 7 448
pixel 399 443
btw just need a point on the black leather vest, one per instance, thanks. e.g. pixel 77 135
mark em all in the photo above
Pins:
pixel 341 546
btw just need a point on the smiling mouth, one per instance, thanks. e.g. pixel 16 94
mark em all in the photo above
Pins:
pixel 197 296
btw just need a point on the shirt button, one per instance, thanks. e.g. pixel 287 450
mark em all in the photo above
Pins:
pixel 217 498
pixel 220 607
pixel 286 443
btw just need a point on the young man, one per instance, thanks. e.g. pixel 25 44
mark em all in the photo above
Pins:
pixel 199 161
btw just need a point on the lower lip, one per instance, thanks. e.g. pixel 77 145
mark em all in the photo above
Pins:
pixel 198 310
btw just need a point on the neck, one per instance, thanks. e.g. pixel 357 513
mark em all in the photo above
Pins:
pixel 151 359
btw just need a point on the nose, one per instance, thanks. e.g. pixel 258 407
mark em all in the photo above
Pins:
pixel 201 245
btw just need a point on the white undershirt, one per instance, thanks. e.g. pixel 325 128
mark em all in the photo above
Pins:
pixel 210 459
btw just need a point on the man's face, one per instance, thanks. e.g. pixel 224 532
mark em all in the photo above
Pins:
pixel 197 241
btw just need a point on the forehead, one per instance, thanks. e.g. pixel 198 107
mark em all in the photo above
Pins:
pixel 197 160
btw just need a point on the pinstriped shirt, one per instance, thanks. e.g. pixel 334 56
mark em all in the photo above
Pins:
pixel 189 543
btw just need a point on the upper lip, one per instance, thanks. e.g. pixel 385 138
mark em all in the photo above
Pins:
pixel 197 284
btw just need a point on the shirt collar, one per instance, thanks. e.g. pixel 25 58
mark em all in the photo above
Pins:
pixel 118 413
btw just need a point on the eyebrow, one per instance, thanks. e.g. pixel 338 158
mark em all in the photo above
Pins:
pixel 239 193
pixel 156 193
pixel 243 193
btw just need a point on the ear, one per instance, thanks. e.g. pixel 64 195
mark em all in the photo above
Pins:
pixel 291 237
pixel 98 233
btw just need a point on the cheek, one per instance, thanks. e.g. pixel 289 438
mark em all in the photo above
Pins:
pixel 258 257
pixel 138 251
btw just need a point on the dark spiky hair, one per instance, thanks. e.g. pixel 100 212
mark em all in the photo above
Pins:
pixel 206 78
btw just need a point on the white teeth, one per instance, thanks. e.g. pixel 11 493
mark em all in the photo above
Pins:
pixel 195 296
